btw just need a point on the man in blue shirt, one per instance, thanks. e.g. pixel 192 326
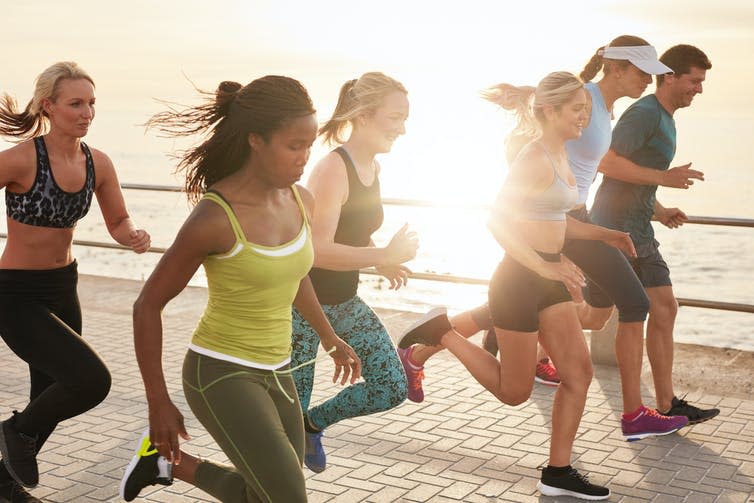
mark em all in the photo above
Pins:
pixel 642 148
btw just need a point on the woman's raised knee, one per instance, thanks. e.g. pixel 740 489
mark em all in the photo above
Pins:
pixel 515 395
pixel 388 392
pixel 95 387
pixel 633 308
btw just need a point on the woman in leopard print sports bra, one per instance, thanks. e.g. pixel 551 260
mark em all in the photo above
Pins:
pixel 49 178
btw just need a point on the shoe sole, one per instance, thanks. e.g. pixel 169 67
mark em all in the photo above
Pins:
pixel 546 383
pixel 316 468
pixel 11 471
pixel 130 468
pixel 556 491
pixel 638 436
pixel 433 313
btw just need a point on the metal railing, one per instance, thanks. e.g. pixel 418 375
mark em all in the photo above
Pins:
pixel 449 278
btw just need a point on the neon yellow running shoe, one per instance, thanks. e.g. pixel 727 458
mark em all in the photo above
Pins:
pixel 146 468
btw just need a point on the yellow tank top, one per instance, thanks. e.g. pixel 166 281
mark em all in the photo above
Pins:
pixel 251 288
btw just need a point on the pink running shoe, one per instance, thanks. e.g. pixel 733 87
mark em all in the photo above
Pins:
pixel 414 375
pixel 650 423
pixel 546 373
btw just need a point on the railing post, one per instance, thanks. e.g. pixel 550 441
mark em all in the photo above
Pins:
pixel 602 342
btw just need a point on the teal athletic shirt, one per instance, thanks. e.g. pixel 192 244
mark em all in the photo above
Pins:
pixel 645 134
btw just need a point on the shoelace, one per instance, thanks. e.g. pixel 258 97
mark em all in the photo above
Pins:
pixel 573 472
pixel 682 401
pixel 417 382
pixel 580 476
pixel 656 414
pixel 686 409
pixel 548 369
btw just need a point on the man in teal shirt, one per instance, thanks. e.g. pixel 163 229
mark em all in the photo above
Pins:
pixel 642 148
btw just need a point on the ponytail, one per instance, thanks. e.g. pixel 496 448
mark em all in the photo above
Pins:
pixel 230 115
pixel 598 62
pixel 20 125
pixel 519 100
pixel 33 120
pixel 527 102
pixel 357 97
pixel 332 130
pixel 593 66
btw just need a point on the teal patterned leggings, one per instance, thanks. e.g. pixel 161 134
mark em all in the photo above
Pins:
pixel 384 382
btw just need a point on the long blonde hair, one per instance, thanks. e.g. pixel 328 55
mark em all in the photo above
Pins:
pixel 358 96
pixel 527 102
pixel 33 120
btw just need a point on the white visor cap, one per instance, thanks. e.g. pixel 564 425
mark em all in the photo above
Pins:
pixel 644 57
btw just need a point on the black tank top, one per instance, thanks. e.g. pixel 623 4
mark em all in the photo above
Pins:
pixel 360 216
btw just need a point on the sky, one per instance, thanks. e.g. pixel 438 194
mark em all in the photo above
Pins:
pixel 444 52
pixel 453 43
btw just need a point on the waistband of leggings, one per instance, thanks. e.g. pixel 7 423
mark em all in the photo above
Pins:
pixel 34 279
pixel 548 257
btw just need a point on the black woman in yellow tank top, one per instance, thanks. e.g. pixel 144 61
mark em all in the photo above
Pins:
pixel 250 230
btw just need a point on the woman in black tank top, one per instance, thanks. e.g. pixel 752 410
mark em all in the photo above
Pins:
pixel 49 183
pixel 348 209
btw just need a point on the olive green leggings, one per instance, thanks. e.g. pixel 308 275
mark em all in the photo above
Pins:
pixel 256 426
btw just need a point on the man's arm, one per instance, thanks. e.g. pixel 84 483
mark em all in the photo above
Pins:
pixel 669 217
pixel 621 168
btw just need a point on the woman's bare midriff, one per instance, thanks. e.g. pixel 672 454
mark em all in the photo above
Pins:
pixel 546 236
pixel 36 248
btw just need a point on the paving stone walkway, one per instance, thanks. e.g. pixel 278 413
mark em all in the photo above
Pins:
pixel 461 444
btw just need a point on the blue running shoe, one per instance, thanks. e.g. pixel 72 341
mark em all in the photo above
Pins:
pixel 314 456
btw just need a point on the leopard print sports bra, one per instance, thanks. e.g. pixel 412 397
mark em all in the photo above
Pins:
pixel 46 204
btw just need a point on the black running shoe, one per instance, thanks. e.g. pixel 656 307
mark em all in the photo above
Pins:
pixel 146 468
pixel 680 407
pixel 569 483
pixel 19 453
pixel 12 492
pixel 427 330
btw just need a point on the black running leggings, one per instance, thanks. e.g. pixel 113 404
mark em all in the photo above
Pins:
pixel 610 278
pixel 67 376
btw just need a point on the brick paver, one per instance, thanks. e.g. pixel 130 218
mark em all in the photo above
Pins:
pixel 459 445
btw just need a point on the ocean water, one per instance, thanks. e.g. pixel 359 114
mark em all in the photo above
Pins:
pixel 460 170
pixel 451 155
pixel 707 262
